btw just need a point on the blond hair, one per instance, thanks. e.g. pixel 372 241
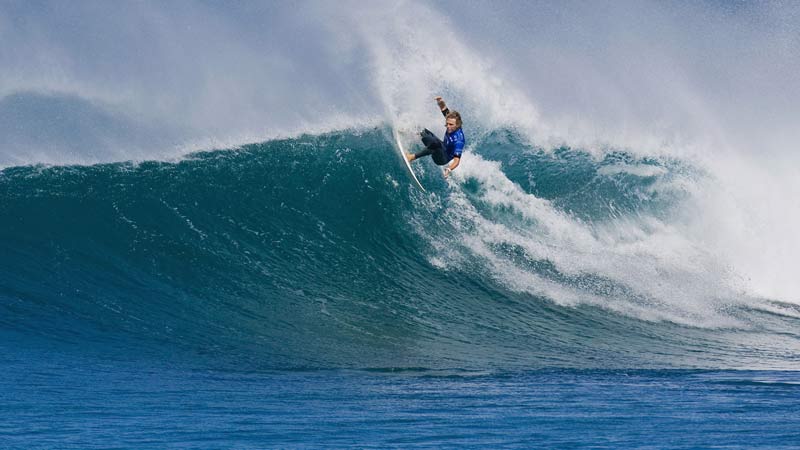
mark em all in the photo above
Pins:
pixel 454 115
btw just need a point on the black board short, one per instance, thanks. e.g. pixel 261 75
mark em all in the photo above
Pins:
pixel 434 147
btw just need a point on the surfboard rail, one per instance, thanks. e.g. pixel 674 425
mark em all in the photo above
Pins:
pixel 399 144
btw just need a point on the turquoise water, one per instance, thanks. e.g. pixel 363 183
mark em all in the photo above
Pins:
pixel 301 292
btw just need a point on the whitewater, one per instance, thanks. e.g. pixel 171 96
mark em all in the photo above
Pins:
pixel 213 198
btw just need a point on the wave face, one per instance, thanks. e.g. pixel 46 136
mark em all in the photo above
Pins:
pixel 317 252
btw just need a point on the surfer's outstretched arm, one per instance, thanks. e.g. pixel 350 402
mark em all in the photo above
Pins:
pixel 452 166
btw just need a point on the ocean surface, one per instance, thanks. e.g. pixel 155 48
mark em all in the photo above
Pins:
pixel 302 292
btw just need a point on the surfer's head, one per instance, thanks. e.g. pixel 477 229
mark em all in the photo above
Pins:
pixel 452 121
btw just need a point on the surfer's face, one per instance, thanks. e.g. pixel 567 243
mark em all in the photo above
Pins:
pixel 451 125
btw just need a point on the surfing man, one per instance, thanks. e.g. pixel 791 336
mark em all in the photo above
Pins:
pixel 445 150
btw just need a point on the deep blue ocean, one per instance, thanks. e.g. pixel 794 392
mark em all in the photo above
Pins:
pixel 301 292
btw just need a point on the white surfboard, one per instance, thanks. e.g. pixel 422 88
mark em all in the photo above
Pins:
pixel 405 161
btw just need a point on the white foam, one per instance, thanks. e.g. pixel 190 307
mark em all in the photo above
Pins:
pixel 664 275
pixel 646 97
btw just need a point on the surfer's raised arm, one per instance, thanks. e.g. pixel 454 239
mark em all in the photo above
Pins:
pixel 444 150
pixel 442 105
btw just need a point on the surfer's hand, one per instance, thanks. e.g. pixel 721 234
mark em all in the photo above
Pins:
pixel 439 101
pixel 447 172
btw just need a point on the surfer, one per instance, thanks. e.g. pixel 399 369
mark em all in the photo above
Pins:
pixel 443 151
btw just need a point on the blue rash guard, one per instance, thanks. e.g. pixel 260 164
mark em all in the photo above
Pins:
pixel 454 144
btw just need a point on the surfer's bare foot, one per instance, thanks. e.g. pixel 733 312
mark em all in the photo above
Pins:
pixel 410 156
